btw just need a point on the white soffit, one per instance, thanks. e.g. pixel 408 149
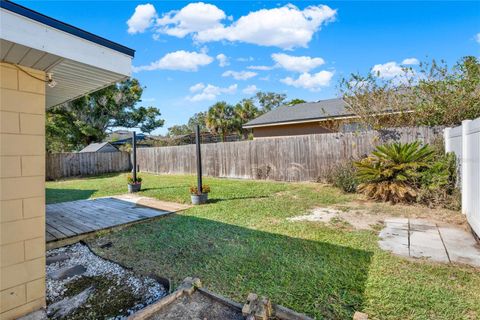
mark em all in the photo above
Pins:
pixel 79 66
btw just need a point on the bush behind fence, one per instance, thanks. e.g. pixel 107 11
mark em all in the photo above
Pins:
pixel 296 158
pixel 71 164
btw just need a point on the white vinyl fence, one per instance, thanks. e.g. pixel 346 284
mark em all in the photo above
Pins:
pixel 464 141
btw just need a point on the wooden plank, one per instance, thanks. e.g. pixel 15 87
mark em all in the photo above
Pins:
pixel 61 227
pixel 71 219
pixel 55 232
pixel 49 237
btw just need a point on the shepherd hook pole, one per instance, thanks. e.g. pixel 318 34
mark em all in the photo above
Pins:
pixel 199 160
pixel 134 146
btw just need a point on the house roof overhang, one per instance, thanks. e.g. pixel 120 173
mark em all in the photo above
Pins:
pixel 79 61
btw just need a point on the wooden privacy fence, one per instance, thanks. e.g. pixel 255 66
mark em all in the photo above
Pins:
pixel 63 165
pixel 297 158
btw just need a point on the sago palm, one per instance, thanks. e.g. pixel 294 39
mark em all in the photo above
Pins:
pixel 390 173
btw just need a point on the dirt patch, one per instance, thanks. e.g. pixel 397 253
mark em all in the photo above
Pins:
pixel 358 219
pixel 382 211
pixel 368 215
pixel 197 307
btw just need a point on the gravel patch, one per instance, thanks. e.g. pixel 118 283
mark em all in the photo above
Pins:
pixel 141 290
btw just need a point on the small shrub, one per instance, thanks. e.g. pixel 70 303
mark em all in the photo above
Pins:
pixel 438 183
pixel 390 173
pixel 194 189
pixel 344 177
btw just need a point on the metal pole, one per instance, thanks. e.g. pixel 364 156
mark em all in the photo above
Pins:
pixel 134 147
pixel 199 160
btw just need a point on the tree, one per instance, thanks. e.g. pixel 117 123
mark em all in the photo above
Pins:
pixel 295 101
pixel 78 123
pixel 219 119
pixel 269 100
pixel 431 94
pixel 200 119
pixel 178 130
pixel 190 127
pixel 244 111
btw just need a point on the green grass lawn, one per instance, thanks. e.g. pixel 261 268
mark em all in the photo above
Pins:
pixel 241 242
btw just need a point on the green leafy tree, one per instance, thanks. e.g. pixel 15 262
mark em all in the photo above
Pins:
pixel 220 119
pixel 178 130
pixel 200 119
pixel 269 100
pixel 244 111
pixel 295 101
pixel 74 125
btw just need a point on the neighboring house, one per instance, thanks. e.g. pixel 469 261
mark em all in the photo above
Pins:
pixel 43 62
pixel 323 116
pixel 99 147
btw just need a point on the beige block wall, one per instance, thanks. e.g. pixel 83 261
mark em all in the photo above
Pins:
pixel 22 192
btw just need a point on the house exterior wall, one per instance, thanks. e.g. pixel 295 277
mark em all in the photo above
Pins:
pixel 290 130
pixel 22 191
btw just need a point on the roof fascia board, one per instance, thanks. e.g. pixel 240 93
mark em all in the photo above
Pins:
pixel 271 124
pixel 30 33
pixel 54 23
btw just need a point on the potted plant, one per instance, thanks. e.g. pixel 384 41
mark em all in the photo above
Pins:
pixel 199 197
pixel 134 185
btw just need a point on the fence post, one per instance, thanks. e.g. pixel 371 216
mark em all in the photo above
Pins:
pixel 447 140
pixel 465 167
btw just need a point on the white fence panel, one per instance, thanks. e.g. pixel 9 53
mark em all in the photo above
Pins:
pixel 464 141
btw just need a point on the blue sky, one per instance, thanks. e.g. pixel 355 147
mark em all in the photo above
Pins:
pixel 190 54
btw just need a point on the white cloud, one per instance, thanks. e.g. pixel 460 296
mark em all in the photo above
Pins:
pixel 285 27
pixel 193 18
pixel 477 37
pixel 410 61
pixel 197 87
pixel 222 60
pixel 178 60
pixel 247 59
pixel 309 81
pixel 239 75
pixel 142 18
pixel 297 63
pixel 388 70
pixel 251 89
pixel 210 92
pixel 261 68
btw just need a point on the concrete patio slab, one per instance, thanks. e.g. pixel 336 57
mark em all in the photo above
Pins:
pixel 461 246
pixel 424 239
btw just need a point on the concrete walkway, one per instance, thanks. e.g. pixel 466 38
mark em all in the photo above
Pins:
pixel 424 239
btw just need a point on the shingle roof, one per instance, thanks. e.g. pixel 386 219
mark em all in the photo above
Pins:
pixel 94 147
pixel 302 112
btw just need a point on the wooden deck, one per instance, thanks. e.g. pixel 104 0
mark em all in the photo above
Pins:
pixel 72 220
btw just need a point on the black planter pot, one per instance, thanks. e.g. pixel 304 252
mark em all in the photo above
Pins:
pixel 134 187
pixel 199 198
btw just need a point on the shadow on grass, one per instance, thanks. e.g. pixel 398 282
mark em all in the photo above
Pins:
pixel 163 188
pixel 62 195
pixel 215 200
pixel 316 278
